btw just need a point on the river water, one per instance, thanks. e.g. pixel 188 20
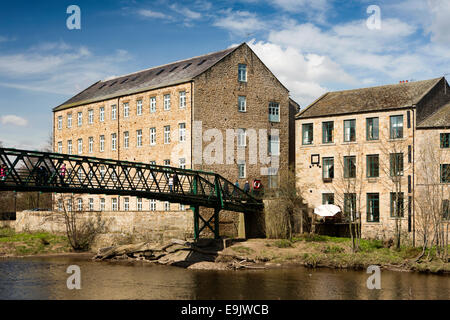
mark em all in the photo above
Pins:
pixel 45 278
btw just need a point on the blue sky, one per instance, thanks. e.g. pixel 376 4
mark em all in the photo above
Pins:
pixel 313 46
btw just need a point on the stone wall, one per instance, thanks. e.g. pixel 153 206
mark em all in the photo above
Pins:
pixel 120 227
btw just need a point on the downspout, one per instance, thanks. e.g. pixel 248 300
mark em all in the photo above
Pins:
pixel 118 142
pixel 192 123
pixel 413 205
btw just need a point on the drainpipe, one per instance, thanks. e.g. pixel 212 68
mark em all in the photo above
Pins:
pixel 118 142
pixel 413 205
pixel 192 122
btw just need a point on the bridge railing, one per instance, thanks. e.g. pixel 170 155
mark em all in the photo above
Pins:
pixel 43 171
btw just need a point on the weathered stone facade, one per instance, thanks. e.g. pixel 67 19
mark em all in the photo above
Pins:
pixel 212 100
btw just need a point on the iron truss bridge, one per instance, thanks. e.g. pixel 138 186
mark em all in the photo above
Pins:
pixel 28 171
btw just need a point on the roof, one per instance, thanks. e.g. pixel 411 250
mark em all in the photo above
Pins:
pixel 439 119
pixel 380 98
pixel 156 77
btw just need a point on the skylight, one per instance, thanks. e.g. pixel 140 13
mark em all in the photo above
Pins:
pixel 202 62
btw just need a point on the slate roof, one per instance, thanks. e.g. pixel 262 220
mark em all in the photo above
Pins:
pixel 156 77
pixel 439 119
pixel 373 99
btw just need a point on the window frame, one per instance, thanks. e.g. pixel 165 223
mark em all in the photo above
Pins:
pixel 153 136
pixel 153 104
pixel 396 161
pixel 126 139
pixel 91 144
pixel 242 72
pixel 102 143
pixel 113 141
pixel 139 140
pixel 445 174
pixel 139 107
pixel 329 160
pixel 167 135
pixel 349 172
pixel 182 132
pixel 241 137
pixel 374 127
pixel 242 104
pixel 401 196
pixel 242 170
pixel 80 119
pixel 166 99
pixel 274 111
pixel 371 201
pixel 370 165
pixel 445 140
pixel 182 99
pixel 308 128
pixel 101 114
pixel 326 126
pixel 395 128
pixel 126 109
pixel 352 129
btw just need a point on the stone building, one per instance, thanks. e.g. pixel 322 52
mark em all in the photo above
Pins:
pixel 223 112
pixel 362 150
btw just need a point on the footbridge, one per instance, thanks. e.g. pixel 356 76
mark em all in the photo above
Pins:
pixel 29 171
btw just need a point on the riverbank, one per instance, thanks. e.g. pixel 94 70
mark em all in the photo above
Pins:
pixel 14 244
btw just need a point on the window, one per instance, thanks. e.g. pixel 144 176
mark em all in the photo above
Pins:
pixel 80 204
pixel 307 133
pixel 328 168
pixel 152 205
pixel 69 120
pixel 446 209
pixel 139 204
pixel 126 139
pixel 327 132
pixel 69 147
pixel 350 167
pixel 114 141
pixel 242 171
pixel 182 99
pixel 139 107
pixel 152 104
pixel 80 119
pixel 114 204
pixel 91 116
pixel 139 138
pixel 445 173
pixel 182 207
pixel 242 104
pixel 242 138
pixel 350 205
pixel 182 163
pixel 373 207
pixel 167 134
pixel 102 114
pixel 102 172
pixel 182 132
pixel 274 145
pixel 126 110
pixel 152 136
pixel 396 127
pixel 113 112
pixel 60 122
pixel 327 198
pixel 373 166
pixel 126 204
pixel 91 204
pixel 102 143
pixel 274 112
pixel 80 146
pixel 397 204
pixel 349 130
pixel 80 175
pixel 242 72
pixel 102 204
pixel 167 162
pixel 60 147
pixel 372 128
pixel 396 163
pixel 167 102
pixel 60 205
pixel 69 205
pixel 167 206
pixel 445 140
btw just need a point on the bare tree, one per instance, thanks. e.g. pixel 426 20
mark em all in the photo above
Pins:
pixel 348 186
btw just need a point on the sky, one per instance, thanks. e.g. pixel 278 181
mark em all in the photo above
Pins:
pixel 312 46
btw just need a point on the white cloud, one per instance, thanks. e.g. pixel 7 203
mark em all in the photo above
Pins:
pixel 152 14
pixel 300 5
pixel 13 120
pixel 56 68
pixel 186 12
pixel 440 21
pixel 239 22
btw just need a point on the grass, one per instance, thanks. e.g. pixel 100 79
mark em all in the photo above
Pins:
pixel 12 243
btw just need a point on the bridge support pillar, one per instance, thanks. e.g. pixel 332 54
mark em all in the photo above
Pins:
pixel 196 210
pixel 206 223
pixel 216 223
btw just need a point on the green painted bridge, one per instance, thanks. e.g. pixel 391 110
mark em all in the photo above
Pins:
pixel 28 171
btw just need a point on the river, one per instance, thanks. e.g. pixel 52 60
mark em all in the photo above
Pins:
pixel 45 278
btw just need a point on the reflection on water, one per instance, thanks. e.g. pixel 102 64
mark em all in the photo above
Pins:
pixel 45 278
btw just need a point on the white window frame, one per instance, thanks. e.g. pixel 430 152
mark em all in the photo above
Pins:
pixel 152 205
pixel 60 150
pixel 80 204
pixel 60 122
pixel 139 204
pixel 242 103
pixel 113 112
pixel 91 204
pixel 69 120
pixel 242 76
pixel 80 146
pixel 91 144
pixel 182 163
pixel 274 144
pixel 60 205
pixel 167 102
pixel 152 136
pixel 241 137
pixel 69 147
pixel 139 107
pixel 166 134
pixel 113 141
pixel 126 139
pixel 102 114
pixel 102 143
pixel 126 204
pixel 182 132
pixel 166 206
pixel 242 170
pixel 152 104
pixel 114 204
pixel 126 110
pixel 102 204
pixel 80 119
pixel 182 95
pixel 90 116
pixel 139 138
